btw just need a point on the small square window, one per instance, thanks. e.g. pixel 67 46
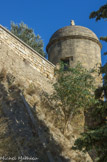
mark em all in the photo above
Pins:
pixel 66 63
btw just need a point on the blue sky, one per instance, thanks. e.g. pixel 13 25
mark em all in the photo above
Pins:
pixel 47 16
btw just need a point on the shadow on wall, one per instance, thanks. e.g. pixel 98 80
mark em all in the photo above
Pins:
pixel 23 138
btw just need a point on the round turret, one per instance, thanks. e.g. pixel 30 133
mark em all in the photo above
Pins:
pixel 74 43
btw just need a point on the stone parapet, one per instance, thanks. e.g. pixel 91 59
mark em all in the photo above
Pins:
pixel 20 48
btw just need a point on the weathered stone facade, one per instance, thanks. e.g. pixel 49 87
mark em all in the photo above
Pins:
pixel 73 44
pixel 21 49
pixel 29 67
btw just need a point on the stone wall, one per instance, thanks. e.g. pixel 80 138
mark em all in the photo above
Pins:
pixel 28 66
pixel 35 60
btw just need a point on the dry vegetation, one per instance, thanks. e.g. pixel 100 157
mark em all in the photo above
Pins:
pixel 44 108
pixel 7 146
pixel 50 123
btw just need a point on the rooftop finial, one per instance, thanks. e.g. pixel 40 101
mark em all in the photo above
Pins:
pixel 72 22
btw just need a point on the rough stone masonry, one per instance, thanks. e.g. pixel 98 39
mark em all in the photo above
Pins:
pixel 25 63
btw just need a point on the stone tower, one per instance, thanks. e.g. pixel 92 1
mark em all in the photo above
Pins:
pixel 74 43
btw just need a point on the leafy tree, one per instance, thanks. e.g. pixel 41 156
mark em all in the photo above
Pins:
pixel 96 136
pixel 28 36
pixel 100 13
pixel 73 92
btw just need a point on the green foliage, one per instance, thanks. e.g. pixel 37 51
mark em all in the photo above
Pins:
pixel 100 13
pixel 73 91
pixel 104 38
pixel 95 138
pixel 28 36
